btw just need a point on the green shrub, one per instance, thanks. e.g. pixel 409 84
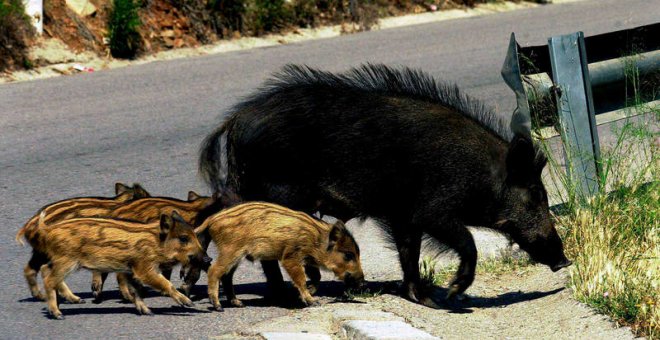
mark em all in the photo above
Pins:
pixel 123 22
pixel 15 34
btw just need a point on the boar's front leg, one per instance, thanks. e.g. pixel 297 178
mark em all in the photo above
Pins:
pixel 458 237
pixel 148 275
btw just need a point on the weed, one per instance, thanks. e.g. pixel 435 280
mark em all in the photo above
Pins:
pixel 123 24
pixel 507 261
pixel 613 237
pixel 352 294
pixel 15 33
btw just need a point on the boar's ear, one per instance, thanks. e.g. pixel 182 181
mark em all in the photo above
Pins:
pixel 336 233
pixel 121 188
pixel 193 196
pixel 139 191
pixel 520 159
pixel 180 220
pixel 166 224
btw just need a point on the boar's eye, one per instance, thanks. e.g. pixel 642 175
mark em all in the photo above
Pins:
pixel 183 239
pixel 349 257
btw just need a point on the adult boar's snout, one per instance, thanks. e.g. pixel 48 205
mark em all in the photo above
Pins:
pixel 562 264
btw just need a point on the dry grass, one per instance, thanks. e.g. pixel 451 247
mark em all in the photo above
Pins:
pixel 614 238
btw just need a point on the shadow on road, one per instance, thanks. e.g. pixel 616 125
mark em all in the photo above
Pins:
pixel 256 295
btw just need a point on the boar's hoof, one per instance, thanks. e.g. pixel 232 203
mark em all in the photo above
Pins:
pixel 428 302
pixel 182 300
pixel 312 303
pixel 57 316
pixel 236 303
pixel 145 311
pixel 185 290
pixel 454 291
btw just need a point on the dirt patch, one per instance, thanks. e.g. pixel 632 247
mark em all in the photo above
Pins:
pixel 531 303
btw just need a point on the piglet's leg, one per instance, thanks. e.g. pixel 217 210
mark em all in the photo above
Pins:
pixel 150 276
pixel 126 288
pixel 98 279
pixel 296 271
pixel 62 289
pixel 218 269
pixel 53 278
pixel 134 292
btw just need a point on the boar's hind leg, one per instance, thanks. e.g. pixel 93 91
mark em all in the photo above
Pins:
pixel 98 279
pixel 54 278
pixel 228 285
pixel 31 271
pixel 62 289
pixel 225 264
pixel 458 237
pixel 296 271
pixel 409 244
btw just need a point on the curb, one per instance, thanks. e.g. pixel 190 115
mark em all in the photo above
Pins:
pixel 377 330
pixel 359 325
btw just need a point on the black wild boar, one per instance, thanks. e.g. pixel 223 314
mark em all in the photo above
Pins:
pixel 395 145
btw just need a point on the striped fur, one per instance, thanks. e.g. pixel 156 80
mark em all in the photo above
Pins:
pixel 265 231
pixel 80 207
pixel 62 210
pixel 118 246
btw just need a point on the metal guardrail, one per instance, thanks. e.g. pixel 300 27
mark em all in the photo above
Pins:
pixel 575 78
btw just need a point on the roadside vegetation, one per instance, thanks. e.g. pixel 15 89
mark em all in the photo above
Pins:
pixel 16 33
pixel 123 25
pixel 127 29
pixel 613 237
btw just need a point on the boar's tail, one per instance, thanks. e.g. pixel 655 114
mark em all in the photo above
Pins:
pixel 29 229
pixel 211 156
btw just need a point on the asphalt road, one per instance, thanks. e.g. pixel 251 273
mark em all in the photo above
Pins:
pixel 78 135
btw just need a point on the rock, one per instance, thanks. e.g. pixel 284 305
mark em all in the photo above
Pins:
pixel 81 7
pixel 167 34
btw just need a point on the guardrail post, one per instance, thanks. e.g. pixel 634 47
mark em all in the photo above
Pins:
pixel 576 111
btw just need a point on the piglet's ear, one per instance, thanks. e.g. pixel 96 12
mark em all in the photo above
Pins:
pixel 336 233
pixel 121 188
pixel 180 220
pixel 139 191
pixel 166 224
pixel 520 159
pixel 193 196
